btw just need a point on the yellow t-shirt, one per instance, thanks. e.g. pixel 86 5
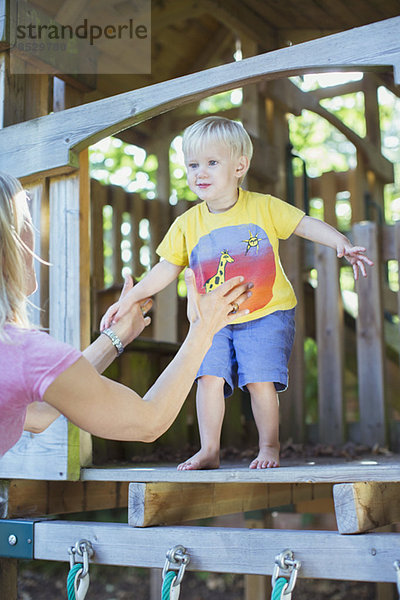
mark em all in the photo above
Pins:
pixel 243 240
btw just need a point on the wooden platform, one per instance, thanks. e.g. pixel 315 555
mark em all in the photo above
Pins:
pixel 308 470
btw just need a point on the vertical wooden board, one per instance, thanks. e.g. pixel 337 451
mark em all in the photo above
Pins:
pixel 65 285
pixel 117 200
pixel 136 213
pixel 329 317
pixel 8 578
pixel 292 403
pixel 328 195
pixel 370 355
pixel 397 257
pixel 39 456
pixel 358 187
pixel 36 194
pixel 98 199
pixel 2 88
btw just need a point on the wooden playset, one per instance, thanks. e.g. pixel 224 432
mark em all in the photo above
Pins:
pixel 51 473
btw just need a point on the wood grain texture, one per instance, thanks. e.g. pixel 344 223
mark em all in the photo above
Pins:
pixel 54 141
pixel 27 498
pixel 371 468
pixel 167 503
pixel 329 318
pixel 323 554
pixel 364 506
pixel 370 352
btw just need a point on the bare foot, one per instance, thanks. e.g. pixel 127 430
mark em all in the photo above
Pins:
pixel 201 460
pixel 268 458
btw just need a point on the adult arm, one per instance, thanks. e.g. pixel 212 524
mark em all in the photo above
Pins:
pixel 108 409
pixel 100 354
pixel 161 275
pixel 318 231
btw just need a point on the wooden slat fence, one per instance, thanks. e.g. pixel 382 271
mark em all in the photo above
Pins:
pixel 344 345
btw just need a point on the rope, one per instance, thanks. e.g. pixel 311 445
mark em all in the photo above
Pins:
pixel 77 586
pixel 168 591
pixel 279 589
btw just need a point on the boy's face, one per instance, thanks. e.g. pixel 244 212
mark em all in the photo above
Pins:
pixel 213 175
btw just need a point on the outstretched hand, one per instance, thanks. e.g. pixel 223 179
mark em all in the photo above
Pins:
pixel 132 323
pixel 219 307
pixel 356 256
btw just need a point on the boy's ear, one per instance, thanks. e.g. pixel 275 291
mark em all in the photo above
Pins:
pixel 242 166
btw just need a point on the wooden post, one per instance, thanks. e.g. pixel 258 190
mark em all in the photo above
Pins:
pixel 98 199
pixel 8 578
pixel 329 316
pixel 166 313
pixel 370 354
pixel 117 200
pixel 328 195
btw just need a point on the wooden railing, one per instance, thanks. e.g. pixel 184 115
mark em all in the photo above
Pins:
pixel 358 373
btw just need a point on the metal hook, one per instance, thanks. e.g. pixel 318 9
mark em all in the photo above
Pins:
pixel 286 566
pixel 177 559
pixel 84 549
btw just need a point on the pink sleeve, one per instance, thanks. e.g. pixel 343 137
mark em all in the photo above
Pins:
pixel 46 359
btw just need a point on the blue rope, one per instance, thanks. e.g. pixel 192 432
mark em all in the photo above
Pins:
pixel 278 587
pixel 166 586
pixel 71 580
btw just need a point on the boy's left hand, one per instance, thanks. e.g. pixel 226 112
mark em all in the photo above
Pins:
pixel 356 257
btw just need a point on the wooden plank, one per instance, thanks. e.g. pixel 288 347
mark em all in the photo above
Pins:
pixel 27 498
pixel 54 140
pixel 37 195
pixel 116 197
pixel 323 554
pixel 65 291
pixel 167 503
pixel 291 97
pixel 328 195
pixel 364 506
pixel 292 405
pixel 329 318
pixel 315 470
pixel 370 354
pixel 167 300
pixel 8 578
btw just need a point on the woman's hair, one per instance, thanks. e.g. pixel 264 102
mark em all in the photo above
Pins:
pixel 218 130
pixel 13 214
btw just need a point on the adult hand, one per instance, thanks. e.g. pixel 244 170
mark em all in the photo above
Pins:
pixel 132 323
pixel 219 307
pixel 356 257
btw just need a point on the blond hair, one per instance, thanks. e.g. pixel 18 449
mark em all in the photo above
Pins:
pixel 13 214
pixel 211 130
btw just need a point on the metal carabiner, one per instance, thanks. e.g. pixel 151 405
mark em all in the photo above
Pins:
pixel 396 565
pixel 286 566
pixel 177 559
pixel 85 549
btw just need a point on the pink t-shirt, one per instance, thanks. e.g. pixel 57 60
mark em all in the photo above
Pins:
pixel 29 362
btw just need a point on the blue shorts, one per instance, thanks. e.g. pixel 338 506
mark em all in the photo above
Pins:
pixel 255 351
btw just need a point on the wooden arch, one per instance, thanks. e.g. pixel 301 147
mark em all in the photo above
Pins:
pixel 51 144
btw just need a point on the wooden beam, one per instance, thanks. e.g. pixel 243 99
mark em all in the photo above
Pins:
pixel 315 470
pixel 28 498
pixel 364 506
pixel 52 142
pixel 295 100
pixel 8 578
pixel 329 318
pixel 323 554
pixel 370 343
pixel 167 503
